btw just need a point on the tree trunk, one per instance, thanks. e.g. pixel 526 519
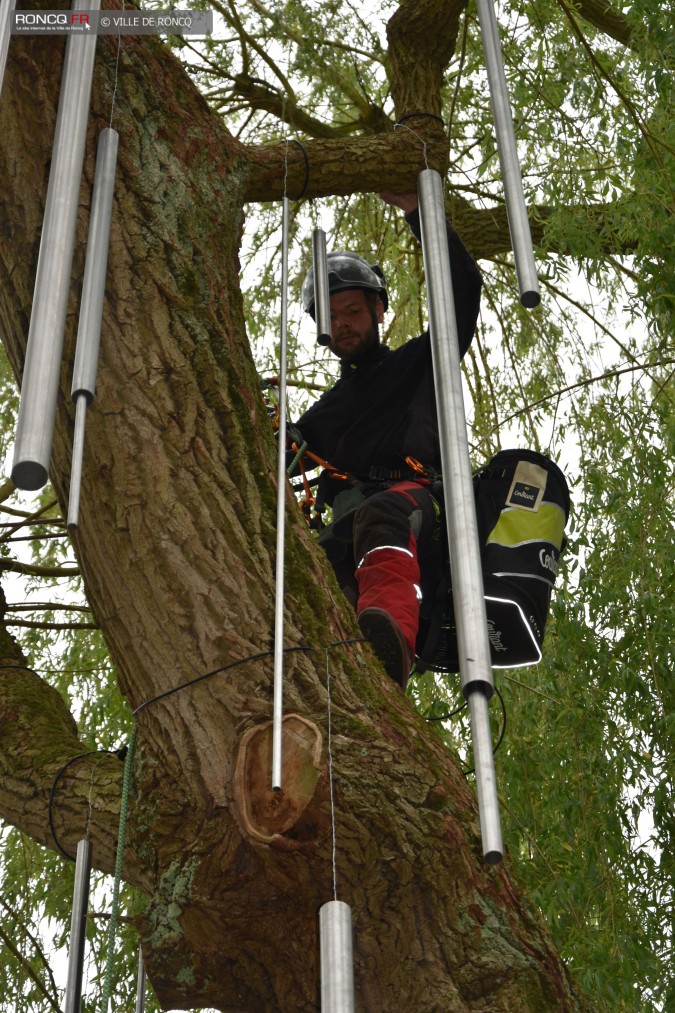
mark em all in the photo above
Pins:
pixel 176 545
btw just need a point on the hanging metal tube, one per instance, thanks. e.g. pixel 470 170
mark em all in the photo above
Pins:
pixel 6 11
pixel 140 983
pixel 78 927
pixel 321 290
pixel 278 706
pixel 40 384
pixel 337 962
pixel 467 580
pixel 486 781
pixel 91 305
pixel 519 226
pixel 76 464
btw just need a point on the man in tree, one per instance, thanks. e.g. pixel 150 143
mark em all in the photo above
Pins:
pixel 378 425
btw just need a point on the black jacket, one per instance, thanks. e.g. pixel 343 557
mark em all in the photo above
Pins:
pixel 383 407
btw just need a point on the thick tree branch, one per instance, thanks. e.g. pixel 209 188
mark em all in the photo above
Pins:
pixel 27 624
pixel 45 606
pixel 345 166
pixel 30 519
pixel 366 115
pixel 35 570
pixel 258 94
pixel 7 489
pixel 600 14
pixel 38 739
pixel 422 35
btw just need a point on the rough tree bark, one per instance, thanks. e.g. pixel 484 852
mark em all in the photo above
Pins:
pixel 176 545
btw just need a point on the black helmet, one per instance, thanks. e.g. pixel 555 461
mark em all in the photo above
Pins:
pixel 345 270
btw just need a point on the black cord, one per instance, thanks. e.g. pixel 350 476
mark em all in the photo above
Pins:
pixel 302 193
pixel 472 770
pixel 208 675
pixel 120 753
pixel 234 664
pixel 502 733
pixel 452 714
pixel 414 116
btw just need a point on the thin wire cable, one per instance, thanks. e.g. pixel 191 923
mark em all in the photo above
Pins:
pixel 403 126
pixel 90 798
pixel 55 782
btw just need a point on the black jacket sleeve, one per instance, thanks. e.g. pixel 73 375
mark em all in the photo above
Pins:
pixel 466 282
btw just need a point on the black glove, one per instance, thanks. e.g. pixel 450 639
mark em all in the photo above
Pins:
pixel 293 434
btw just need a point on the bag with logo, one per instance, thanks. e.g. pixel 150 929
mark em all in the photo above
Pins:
pixel 522 506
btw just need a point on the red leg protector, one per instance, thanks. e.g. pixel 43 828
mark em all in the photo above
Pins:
pixel 388 578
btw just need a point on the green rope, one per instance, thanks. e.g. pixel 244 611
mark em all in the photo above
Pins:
pixel 119 858
pixel 303 448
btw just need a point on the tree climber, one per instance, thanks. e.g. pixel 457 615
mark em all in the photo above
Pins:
pixel 378 425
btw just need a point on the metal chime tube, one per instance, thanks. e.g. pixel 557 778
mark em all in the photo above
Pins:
pixel 321 290
pixel 467 580
pixel 337 962
pixel 91 306
pixel 78 926
pixel 140 984
pixel 6 11
pixel 40 382
pixel 521 238
pixel 278 706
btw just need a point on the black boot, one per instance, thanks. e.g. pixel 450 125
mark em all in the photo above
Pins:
pixel 388 642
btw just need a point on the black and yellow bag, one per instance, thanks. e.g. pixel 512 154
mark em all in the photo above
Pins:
pixel 522 507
